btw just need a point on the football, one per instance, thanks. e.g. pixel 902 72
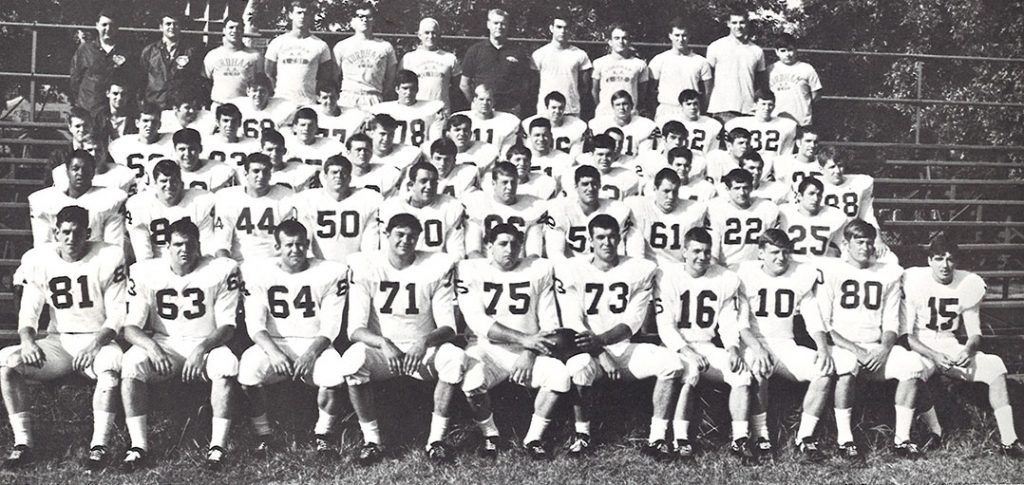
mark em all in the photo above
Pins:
pixel 565 344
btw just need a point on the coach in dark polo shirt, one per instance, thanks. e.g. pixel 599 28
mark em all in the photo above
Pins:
pixel 499 64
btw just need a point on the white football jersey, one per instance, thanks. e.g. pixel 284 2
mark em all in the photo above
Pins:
pixel 936 311
pixel 417 123
pixel 245 223
pixel 187 306
pixel 382 178
pixel 211 176
pixel 443 223
pixel 619 182
pixel 205 122
pixel 553 164
pixel 701 134
pixel 719 163
pixel 339 128
pixel 217 148
pixel 117 177
pixel 769 138
pixel 638 133
pixel 860 303
pixel 339 228
pixel 401 157
pixel 105 206
pixel 295 175
pixel 698 189
pixel 149 221
pixel 83 296
pixel 528 214
pixel 139 156
pixel 540 186
pixel 314 153
pixel 522 298
pixel 500 130
pixel 775 300
pixel 812 235
pixel 482 155
pixel 735 230
pixel 777 192
pixel 568 137
pixel 565 215
pixel 405 304
pixel 275 116
pixel 306 304
pixel 854 197
pixel 596 300
pixel 790 170
pixel 662 232
pixel 461 180
pixel 689 310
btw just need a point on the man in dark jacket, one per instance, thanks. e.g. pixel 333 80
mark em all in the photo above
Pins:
pixel 118 117
pixel 96 62
pixel 168 62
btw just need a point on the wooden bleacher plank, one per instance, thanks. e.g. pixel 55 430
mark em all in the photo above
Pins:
pixel 909 181
pixel 972 247
pixel 25 161
pixel 14 205
pixel 32 141
pixel 957 164
pixel 932 202
pixel 22 182
pixel 978 224
pixel 15 233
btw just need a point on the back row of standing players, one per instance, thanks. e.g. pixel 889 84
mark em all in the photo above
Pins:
pixel 594 225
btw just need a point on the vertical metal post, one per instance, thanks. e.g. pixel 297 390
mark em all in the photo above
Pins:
pixel 919 68
pixel 32 80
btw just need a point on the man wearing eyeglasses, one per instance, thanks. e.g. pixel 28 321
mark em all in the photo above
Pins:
pixel 367 64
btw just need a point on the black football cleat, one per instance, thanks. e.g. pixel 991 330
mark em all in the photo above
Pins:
pixel 535 449
pixel 440 453
pixel 740 448
pixel 1013 450
pixel 489 448
pixel 809 450
pixel 580 445
pixel 369 454
pixel 932 442
pixel 907 449
pixel 97 459
pixel 215 457
pixel 659 450
pixel 685 450
pixel 323 447
pixel 850 452
pixel 134 459
pixel 19 456
pixel 763 450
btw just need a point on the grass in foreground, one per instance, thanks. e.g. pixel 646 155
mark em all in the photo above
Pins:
pixel 180 426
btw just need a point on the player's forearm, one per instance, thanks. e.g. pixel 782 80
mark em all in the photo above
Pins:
pixel 368 337
pixel 104 336
pixel 820 340
pixel 220 336
pixel 27 335
pixel 973 341
pixel 466 87
pixel 615 335
pixel 265 342
pixel 501 334
pixel 440 336
pixel 749 339
pixel 136 336
pixel 843 343
pixel 889 338
pixel 319 345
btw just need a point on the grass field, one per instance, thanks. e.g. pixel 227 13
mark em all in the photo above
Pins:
pixel 180 422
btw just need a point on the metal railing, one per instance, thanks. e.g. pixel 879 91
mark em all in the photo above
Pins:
pixel 35 76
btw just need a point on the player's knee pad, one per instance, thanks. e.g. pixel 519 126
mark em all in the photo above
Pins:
pixel 252 367
pixel 135 364
pixel 988 368
pixel 583 369
pixel 327 370
pixel 221 363
pixel 353 364
pixel 450 362
pixel 108 359
pixel 551 374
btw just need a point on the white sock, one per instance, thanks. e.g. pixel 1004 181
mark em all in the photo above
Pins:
pixel 261 424
pixel 371 433
pixel 537 427
pixel 438 426
pixel 1004 419
pixel 759 426
pixel 21 425
pixel 219 432
pixel 324 423
pixel 487 426
pixel 807 425
pixel 583 427
pixel 102 426
pixel 740 429
pixel 681 429
pixel 904 417
pixel 932 421
pixel 137 431
pixel 843 432
pixel 659 428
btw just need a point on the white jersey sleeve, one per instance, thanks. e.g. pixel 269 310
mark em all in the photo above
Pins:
pixel 187 306
pixel 860 304
pixel 934 310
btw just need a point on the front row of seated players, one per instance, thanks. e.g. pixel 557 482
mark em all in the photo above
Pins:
pixel 294 309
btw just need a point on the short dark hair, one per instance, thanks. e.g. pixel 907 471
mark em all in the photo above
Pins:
pixel 943 244
pixel 737 176
pixel 181 95
pixel 807 182
pixel 678 152
pixel 168 168
pixel 603 140
pixel 518 149
pixel 109 13
pixel 457 120
pixel 674 128
pixel 257 157
pixel 775 237
pixel 688 95
pixel 737 133
pixel 292 228
pixel 752 155
pixel 339 160
pixel 504 228
pixel 188 136
pixel 666 174
pixel 586 171
pixel 360 137
pixel 404 220
pixel 803 130
pixel 385 121
pixel 273 136
pixel 860 229
pixel 228 109
pixel 603 221
pixel 80 155
pixel 444 146
pixel 152 109
pixel 406 76
pixel 504 168
pixel 326 87
pixel 539 122
pixel 554 96
pixel 260 79
pixel 306 113
pixel 697 234
pixel 185 227
pixel 787 41
pixel 622 93
pixel 75 214
pixel 764 94
pixel 80 113
pixel 420 166
pixel 678 23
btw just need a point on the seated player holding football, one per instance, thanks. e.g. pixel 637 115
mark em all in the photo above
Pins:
pixel 859 300
pixel 401 321
pixel 189 301
pixel 777 289
pixel 687 323
pixel 82 282
pixel 939 300
pixel 509 303
pixel 604 298
pixel 293 311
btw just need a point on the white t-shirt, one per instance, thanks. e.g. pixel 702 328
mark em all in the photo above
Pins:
pixel 230 70
pixel 675 72
pixel 298 61
pixel 559 71
pixel 793 85
pixel 436 70
pixel 735 65
pixel 616 73
pixel 364 64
